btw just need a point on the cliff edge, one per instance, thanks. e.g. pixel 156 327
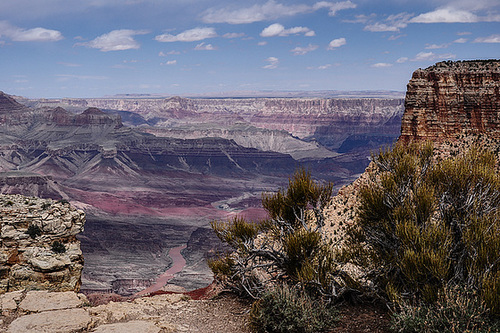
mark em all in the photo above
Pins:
pixel 452 103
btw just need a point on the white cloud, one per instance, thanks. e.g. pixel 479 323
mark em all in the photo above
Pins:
pixel 325 66
pixel 446 15
pixel 116 40
pixel 361 18
pixel 163 54
pixel 334 7
pixel 277 29
pixel 436 46
pixel 205 47
pixel 424 56
pixel 489 39
pixel 337 43
pixel 445 45
pixel 234 35
pixel 272 63
pixel 381 65
pixel 303 50
pixel 262 43
pixel 17 34
pixel 270 10
pixel 402 60
pixel 395 37
pixel 430 56
pixel 191 35
pixel 391 23
pixel 170 63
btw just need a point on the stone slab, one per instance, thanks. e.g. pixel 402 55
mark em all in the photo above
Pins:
pixel 60 321
pixel 42 300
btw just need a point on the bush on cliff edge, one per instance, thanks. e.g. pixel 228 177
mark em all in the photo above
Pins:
pixel 289 251
pixel 425 226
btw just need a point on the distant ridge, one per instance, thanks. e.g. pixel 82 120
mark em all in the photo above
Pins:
pixel 276 94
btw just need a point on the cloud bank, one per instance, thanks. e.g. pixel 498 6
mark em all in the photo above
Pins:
pixel 271 10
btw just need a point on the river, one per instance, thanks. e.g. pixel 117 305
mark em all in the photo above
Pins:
pixel 178 263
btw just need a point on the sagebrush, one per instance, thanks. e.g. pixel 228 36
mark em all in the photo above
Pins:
pixel 288 248
pixel 425 225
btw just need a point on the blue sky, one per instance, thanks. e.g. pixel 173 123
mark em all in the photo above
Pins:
pixel 93 48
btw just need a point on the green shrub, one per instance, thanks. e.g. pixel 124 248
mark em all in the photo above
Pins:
pixel 425 225
pixel 34 231
pixel 455 311
pixel 290 247
pixel 58 247
pixel 286 309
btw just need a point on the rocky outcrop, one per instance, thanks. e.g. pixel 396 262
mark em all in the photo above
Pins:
pixel 38 245
pixel 30 184
pixel 453 98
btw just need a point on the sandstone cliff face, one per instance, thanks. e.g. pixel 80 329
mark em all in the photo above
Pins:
pixel 453 98
pixel 28 254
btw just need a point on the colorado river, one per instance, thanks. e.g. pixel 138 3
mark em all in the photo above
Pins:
pixel 178 263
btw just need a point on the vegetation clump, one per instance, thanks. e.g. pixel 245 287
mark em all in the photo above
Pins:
pixel 285 262
pixel 456 310
pixel 289 247
pixel 425 227
pixel 58 247
pixel 34 231
pixel 285 309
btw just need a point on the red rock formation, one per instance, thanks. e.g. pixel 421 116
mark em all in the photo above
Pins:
pixel 453 98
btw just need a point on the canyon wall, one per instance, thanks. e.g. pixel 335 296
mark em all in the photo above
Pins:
pixel 328 121
pixel 453 98
pixel 38 245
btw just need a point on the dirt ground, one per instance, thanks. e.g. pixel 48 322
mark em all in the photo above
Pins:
pixel 212 311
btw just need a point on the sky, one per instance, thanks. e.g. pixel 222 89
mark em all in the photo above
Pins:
pixel 96 48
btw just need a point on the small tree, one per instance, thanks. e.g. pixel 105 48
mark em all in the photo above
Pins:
pixel 288 248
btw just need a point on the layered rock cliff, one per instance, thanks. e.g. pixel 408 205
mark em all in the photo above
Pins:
pixel 329 121
pixel 38 245
pixel 453 98
pixel 453 104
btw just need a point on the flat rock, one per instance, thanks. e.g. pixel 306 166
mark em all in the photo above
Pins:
pixel 38 301
pixel 129 327
pixel 60 321
pixel 8 301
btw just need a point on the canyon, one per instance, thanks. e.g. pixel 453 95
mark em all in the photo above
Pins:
pixel 109 169
pixel 152 173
